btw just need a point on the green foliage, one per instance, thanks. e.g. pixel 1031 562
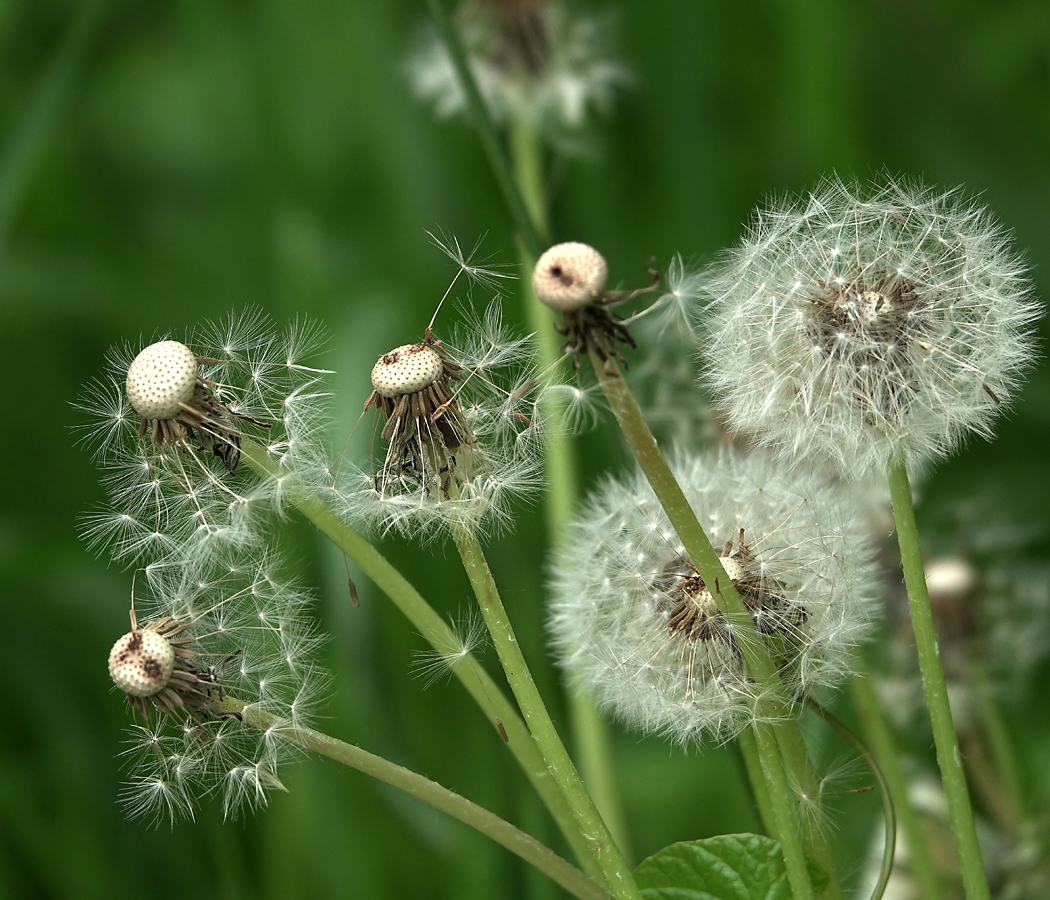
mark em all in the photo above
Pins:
pixel 728 867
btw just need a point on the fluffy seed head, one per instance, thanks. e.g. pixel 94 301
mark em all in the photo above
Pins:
pixel 234 633
pixel 858 325
pixel 569 276
pixel 635 624
pixel 406 369
pixel 141 663
pixel 161 379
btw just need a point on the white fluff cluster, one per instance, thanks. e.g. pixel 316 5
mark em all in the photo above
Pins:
pixel 166 498
pixel 853 325
pixel 254 641
pixel 542 64
pixel 497 390
pixel 634 624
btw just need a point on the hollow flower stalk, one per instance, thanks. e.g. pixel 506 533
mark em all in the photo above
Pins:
pixel 634 623
pixel 168 423
pixel 202 633
pixel 853 326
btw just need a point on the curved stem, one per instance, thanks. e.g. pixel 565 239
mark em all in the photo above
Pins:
pixel 888 812
pixel 949 759
pixel 881 737
pixel 618 874
pixel 468 812
pixel 490 699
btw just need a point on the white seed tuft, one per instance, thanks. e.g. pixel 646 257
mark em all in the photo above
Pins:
pixel 161 379
pixel 406 369
pixel 141 662
pixel 569 276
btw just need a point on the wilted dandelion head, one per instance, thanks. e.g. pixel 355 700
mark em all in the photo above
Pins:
pixel 635 624
pixel 169 423
pixel 205 634
pixel 530 60
pixel 854 326
pixel 460 433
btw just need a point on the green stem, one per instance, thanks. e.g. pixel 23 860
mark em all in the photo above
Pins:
pixel 490 699
pixel 457 806
pixel 773 707
pixel 748 744
pixel 590 736
pixel 783 812
pixel 486 130
pixel 618 874
pixel 949 759
pixel 884 747
pixel 807 788
pixel 888 812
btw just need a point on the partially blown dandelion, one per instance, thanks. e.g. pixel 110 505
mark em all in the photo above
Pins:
pixel 163 416
pixel 634 622
pixel 854 328
pixel 208 634
pixel 461 431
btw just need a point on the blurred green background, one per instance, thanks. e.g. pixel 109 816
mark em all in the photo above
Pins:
pixel 162 163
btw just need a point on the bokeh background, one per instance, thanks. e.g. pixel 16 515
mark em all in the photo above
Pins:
pixel 163 163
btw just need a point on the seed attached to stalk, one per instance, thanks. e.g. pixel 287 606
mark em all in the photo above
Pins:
pixel 570 278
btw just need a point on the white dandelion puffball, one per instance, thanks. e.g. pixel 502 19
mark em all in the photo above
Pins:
pixel 161 379
pixel 406 369
pixel 856 327
pixel 569 276
pixel 634 624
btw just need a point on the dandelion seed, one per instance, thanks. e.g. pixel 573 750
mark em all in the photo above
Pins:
pixel 853 328
pixel 634 622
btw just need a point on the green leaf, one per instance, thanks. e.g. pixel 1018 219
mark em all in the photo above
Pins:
pixel 728 867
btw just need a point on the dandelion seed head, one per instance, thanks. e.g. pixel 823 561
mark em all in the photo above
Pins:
pixel 223 633
pixel 141 662
pixel 161 379
pixel 634 623
pixel 406 370
pixel 858 325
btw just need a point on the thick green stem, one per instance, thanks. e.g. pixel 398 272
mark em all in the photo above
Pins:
pixel 490 699
pixel 949 759
pixel 748 744
pixel 618 874
pixel 884 748
pixel 783 812
pixel 468 812
pixel 773 707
